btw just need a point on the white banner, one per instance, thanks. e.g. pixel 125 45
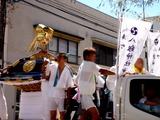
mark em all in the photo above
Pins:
pixel 131 42
pixel 154 53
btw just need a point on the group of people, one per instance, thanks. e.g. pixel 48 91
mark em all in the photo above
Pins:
pixel 61 79
pixel 149 91
pixel 138 68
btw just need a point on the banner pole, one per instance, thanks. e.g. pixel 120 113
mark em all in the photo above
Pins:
pixel 115 111
pixel 118 45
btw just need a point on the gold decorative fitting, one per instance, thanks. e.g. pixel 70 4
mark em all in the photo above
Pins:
pixel 32 58
pixel 18 80
pixel 29 65
pixel 43 36
pixel 15 63
pixel 29 87
pixel 30 79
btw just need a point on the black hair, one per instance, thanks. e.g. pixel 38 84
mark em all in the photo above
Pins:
pixel 88 51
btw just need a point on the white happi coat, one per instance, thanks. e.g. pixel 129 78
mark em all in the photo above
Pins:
pixel 86 77
pixel 45 98
pixel 110 81
pixel 65 81
pixel 99 81
pixel 3 105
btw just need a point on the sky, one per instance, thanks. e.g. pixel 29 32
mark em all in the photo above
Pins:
pixel 106 8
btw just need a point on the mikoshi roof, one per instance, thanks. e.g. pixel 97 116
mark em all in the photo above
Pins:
pixel 26 73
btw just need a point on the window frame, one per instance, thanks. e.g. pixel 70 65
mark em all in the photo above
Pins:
pixel 106 63
pixel 143 83
pixel 58 47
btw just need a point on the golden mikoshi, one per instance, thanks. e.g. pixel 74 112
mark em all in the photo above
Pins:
pixel 43 36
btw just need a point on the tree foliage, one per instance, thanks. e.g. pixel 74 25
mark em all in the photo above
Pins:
pixel 126 6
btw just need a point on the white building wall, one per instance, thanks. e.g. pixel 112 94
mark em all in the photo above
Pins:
pixel 156 25
pixel 156 22
pixel 80 20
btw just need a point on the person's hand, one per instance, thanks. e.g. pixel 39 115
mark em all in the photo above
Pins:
pixel 6 69
pixel 126 73
pixel 46 61
pixel 135 73
pixel 75 85
pixel 43 67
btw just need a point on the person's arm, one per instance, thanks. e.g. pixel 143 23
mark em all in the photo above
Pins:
pixel 68 96
pixel 106 72
pixel 44 76
pixel 75 81
pixel 5 69
pixel 43 68
pixel 148 102
pixel 151 103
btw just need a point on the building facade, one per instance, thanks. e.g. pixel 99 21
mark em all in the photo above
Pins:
pixel 156 23
pixel 75 25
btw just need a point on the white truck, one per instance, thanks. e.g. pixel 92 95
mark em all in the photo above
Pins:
pixel 129 90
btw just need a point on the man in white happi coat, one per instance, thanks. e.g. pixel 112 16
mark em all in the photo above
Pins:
pixel 45 88
pixel 87 84
pixel 3 104
pixel 60 80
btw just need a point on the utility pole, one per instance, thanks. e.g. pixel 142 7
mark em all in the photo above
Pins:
pixel 2 29
pixel 143 10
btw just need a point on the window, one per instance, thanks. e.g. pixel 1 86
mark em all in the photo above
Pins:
pixel 105 55
pixel 62 45
pixel 146 90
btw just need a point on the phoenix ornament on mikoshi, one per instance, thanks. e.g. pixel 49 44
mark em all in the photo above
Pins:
pixel 43 36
